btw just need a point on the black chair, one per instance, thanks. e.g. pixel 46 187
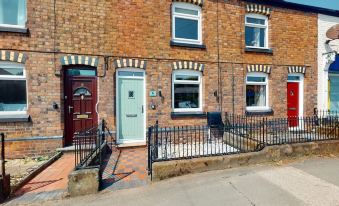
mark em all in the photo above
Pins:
pixel 215 124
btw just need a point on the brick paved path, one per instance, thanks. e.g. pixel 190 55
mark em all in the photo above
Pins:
pixel 49 184
pixel 125 168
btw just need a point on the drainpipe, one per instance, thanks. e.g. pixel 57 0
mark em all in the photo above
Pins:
pixel 56 73
pixel 233 92
pixel 105 66
pixel 219 95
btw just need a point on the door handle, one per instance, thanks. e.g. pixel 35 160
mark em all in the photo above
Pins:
pixel 142 109
pixel 131 115
pixel 292 108
pixel 69 109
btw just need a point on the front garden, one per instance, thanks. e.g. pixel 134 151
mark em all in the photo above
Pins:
pixel 234 134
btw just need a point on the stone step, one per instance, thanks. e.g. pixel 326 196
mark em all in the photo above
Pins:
pixel 131 145
pixel 70 149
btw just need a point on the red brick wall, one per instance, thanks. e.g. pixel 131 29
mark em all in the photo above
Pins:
pixel 293 43
pixel 31 148
pixel 142 29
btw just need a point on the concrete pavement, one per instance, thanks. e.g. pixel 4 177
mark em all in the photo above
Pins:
pixel 313 181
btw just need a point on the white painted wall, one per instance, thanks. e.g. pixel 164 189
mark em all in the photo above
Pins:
pixel 324 23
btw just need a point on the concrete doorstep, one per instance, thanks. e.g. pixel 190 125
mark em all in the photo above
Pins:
pixel 168 169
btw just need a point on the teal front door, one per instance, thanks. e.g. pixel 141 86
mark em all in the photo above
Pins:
pixel 131 109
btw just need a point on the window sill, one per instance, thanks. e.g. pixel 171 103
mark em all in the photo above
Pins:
pixel 196 46
pixel 259 50
pixel 188 114
pixel 15 118
pixel 14 30
pixel 259 112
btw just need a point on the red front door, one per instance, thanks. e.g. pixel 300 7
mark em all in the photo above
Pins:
pixel 293 103
pixel 80 103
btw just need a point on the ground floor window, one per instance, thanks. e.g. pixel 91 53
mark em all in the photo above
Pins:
pixel 13 91
pixel 186 87
pixel 334 92
pixel 256 91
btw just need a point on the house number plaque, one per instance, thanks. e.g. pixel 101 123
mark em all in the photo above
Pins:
pixel 152 93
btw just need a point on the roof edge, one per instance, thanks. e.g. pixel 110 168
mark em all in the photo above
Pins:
pixel 296 6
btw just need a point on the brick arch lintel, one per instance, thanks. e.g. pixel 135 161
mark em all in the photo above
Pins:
pixel 258 9
pixel 296 69
pixel 196 2
pixel 13 56
pixel 188 65
pixel 259 68
pixel 79 60
pixel 129 62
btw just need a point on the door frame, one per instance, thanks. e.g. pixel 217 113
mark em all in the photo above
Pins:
pixel 66 92
pixel 117 77
pixel 301 97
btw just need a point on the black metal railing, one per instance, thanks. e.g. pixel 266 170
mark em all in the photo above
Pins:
pixel 2 154
pixel 89 145
pixel 239 134
pixel 196 141
pixel 5 180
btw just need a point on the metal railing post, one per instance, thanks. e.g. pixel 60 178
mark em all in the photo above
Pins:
pixel 150 158
pixel 156 139
pixel 101 141
pixel 103 127
pixel 3 171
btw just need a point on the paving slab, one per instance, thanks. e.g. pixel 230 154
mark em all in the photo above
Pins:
pixel 35 198
pixel 303 186
pixel 326 168
pixel 259 191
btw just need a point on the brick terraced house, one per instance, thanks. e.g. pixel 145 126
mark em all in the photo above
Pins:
pixel 67 64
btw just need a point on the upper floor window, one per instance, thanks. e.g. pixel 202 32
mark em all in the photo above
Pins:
pixel 256 91
pixel 13 13
pixel 13 91
pixel 256 31
pixel 186 23
pixel 187 89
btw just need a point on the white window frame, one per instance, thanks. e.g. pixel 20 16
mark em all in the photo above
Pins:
pixel 258 74
pixel 16 25
pixel 187 16
pixel 199 82
pixel 262 17
pixel 328 105
pixel 9 65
